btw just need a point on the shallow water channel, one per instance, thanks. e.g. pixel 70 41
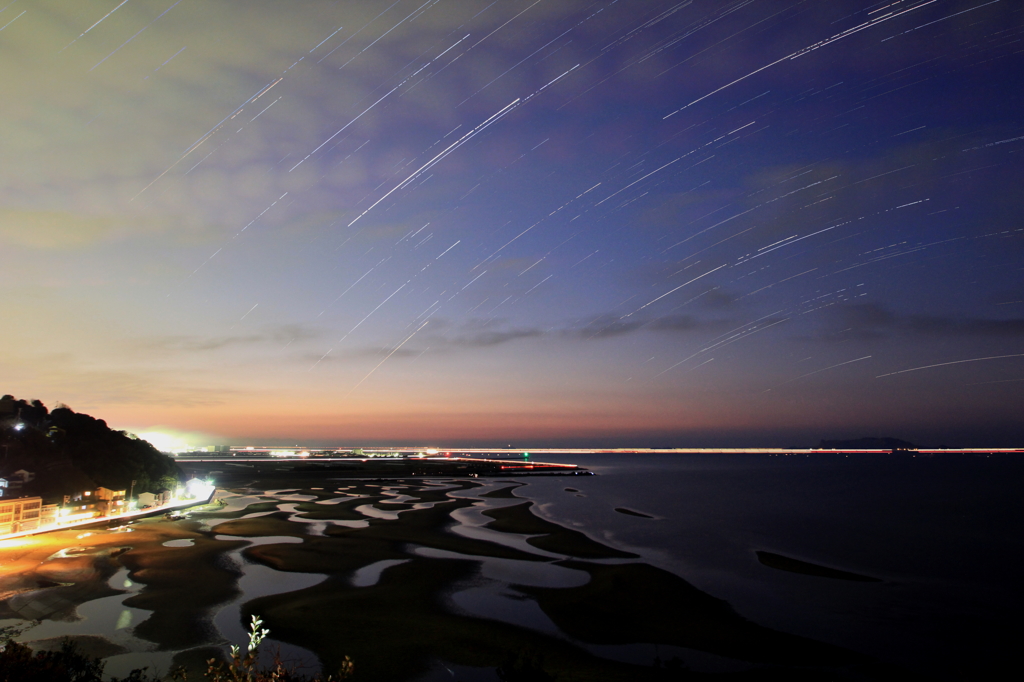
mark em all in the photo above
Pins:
pixel 490 596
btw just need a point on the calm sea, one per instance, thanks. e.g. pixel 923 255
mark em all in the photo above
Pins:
pixel 944 533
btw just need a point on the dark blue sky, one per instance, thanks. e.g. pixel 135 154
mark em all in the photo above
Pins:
pixel 518 221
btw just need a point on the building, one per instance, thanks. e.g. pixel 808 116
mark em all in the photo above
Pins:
pixel 82 506
pixel 49 514
pixel 154 499
pixel 151 499
pixel 108 494
pixel 110 502
pixel 25 514
pixel 92 503
pixel 18 479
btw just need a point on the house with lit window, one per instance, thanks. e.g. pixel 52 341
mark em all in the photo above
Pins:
pixel 91 503
pixel 82 505
pixel 154 499
pixel 25 513
pixel 110 502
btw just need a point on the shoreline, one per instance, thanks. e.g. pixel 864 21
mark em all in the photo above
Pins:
pixel 784 563
pixel 102 520
pixel 406 608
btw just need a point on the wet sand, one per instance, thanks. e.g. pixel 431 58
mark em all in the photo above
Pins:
pixel 637 602
pixel 48 574
pixel 785 563
pixel 399 626
pixel 550 536
pixel 630 512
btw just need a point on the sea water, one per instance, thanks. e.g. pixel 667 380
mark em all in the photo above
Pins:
pixel 944 534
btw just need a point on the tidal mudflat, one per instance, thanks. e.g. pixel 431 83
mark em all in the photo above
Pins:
pixel 410 578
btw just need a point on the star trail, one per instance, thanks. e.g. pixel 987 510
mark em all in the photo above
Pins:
pixel 587 222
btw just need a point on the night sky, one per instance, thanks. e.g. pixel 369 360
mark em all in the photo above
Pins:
pixel 523 222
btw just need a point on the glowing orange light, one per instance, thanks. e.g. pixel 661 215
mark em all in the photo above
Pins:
pixel 15 542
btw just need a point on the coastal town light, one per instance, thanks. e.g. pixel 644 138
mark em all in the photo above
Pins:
pixel 14 542
pixel 198 489
pixel 165 442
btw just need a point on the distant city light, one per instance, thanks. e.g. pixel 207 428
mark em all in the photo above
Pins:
pixel 165 442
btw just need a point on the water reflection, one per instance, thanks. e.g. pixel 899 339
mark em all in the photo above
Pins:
pixel 260 581
pixel 183 542
pixel 368 576
pixel 496 601
pixel 239 502
pixel 491 596
pixel 107 616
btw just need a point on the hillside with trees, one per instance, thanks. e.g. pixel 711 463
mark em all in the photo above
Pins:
pixel 69 452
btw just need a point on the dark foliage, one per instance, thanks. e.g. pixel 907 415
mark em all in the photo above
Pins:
pixel 19 664
pixel 69 451
pixel 672 669
pixel 523 667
